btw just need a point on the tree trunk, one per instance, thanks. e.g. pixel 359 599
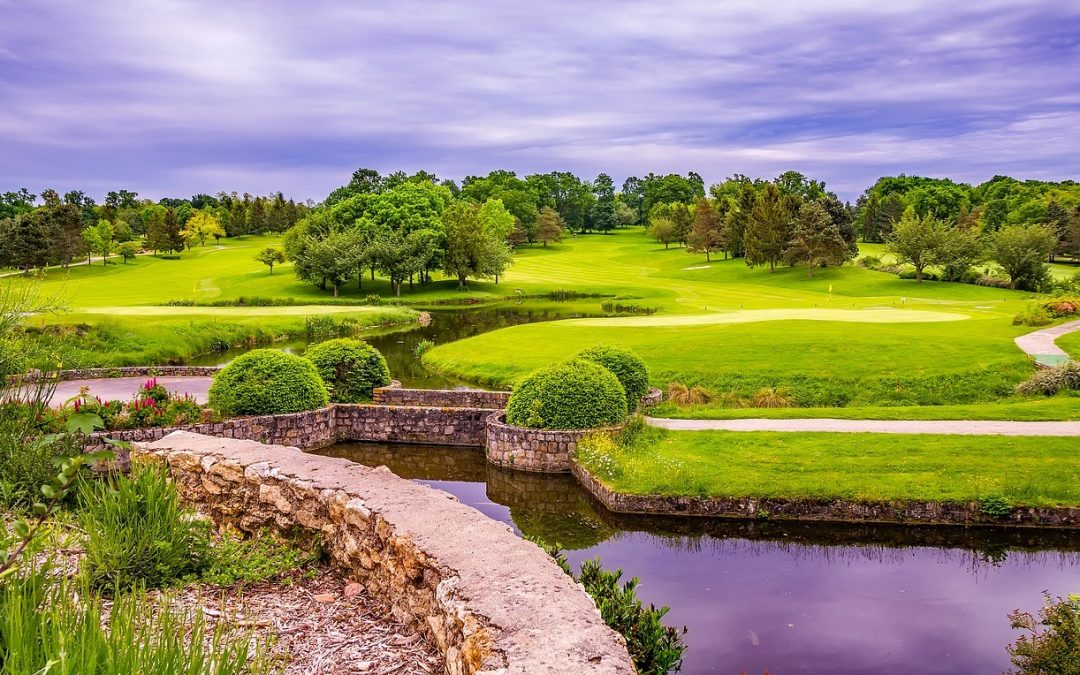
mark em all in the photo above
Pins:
pixel 461 281
pixel 918 275
pixel 373 274
pixel 397 288
pixel 707 257
pixel 336 287
pixel 809 270
pixel 772 266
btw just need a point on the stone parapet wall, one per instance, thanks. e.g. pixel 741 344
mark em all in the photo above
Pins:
pixel 125 371
pixel 546 450
pixel 442 398
pixel 490 601
pixel 312 429
pixel 412 424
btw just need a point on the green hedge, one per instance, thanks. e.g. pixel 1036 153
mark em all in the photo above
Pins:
pixel 267 382
pixel 350 369
pixel 575 394
pixel 626 365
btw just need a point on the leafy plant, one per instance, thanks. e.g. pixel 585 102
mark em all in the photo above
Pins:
pixel 267 382
pixel 238 560
pixel 654 647
pixel 137 533
pixel 350 368
pixel 575 394
pixel 995 506
pixel 421 348
pixel 626 365
pixel 1051 643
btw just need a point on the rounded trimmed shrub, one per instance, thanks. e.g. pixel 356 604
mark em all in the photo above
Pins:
pixel 575 394
pixel 267 382
pixel 626 365
pixel 350 368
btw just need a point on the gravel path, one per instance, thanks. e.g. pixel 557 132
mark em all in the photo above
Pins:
pixel 1041 346
pixel 965 427
pixel 124 388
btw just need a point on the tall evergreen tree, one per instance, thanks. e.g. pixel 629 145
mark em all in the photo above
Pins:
pixel 768 230
pixel 603 211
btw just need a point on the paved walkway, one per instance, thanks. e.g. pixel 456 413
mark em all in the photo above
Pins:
pixel 1041 344
pixel 964 427
pixel 124 388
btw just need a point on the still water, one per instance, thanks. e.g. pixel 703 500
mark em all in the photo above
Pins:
pixel 398 343
pixel 761 597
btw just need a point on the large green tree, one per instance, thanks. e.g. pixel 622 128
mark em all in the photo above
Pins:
pixel 1022 251
pixel 768 230
pixel 816 240
pixel 917 240
pixel 604 217
pixel 707 233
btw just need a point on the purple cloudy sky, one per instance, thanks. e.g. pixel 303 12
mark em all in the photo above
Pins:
pixel 170 98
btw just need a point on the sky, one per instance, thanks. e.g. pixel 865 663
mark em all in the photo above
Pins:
pixel 171 98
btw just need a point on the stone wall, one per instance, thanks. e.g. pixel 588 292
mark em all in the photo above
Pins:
pixel 547 450
pixel 412 424
pixel 838 510
pixel 126 371
pixel 442 398
pixel 490 601
pixel 653 397
pixel 313 429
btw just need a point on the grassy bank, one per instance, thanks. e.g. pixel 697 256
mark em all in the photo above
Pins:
pixel 1071 344
pixel 1062 407
pixel 165 338
pixel 864 467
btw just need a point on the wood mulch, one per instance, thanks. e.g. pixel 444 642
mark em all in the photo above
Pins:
pixel 318 622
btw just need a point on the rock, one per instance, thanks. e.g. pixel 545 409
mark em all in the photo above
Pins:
pixel 353 589
pixel 324 597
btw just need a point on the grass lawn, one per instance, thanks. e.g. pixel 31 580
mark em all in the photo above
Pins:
pixel 847 336
pixel 1062 407
pixel 1071 344
pixel 1024 470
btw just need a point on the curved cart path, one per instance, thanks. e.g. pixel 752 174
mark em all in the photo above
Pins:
pixel 1041 346
pixel 964 427
pixel 124 388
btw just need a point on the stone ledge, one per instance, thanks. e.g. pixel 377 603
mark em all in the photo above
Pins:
pixel 122 371
pixel 822 510
pixel 525 449
pixel 492 602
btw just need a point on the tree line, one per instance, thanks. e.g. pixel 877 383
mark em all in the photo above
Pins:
pixel 54 229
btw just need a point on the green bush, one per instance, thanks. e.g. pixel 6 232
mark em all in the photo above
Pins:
pixel 626 365
pixel 55 625
pixel 1032 315
pixel 655 648
pixel 1050 381
pixel 350 368
pixel 267 382
pixel 1051 641
pixel 137 534
pixel 575 394
pixel 27 457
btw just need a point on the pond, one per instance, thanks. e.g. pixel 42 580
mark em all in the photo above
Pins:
pixel 398 343
pixel 760 596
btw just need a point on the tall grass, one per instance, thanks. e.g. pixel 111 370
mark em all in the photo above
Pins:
pixel 138 533
pixel 50 624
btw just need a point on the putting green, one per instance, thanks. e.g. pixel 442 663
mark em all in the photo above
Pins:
pixel 754 315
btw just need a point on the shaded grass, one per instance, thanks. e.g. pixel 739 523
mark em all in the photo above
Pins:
pixel 1025 471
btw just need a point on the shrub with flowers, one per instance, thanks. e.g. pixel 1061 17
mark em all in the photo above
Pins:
pixel 152 406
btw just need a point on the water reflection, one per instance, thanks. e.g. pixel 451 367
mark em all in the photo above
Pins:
pixel 784 598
